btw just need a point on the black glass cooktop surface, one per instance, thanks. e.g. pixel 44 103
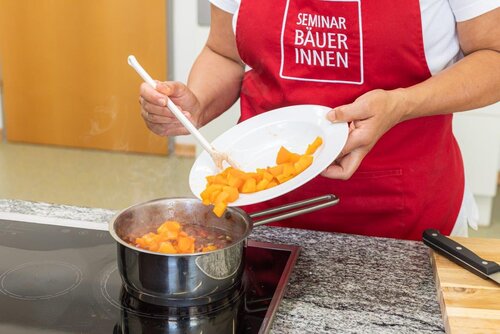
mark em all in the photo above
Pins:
pixel 64 279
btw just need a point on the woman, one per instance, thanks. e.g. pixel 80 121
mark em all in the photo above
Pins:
pixel 395 70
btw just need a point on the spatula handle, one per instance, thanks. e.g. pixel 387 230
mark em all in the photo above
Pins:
pixel 459 254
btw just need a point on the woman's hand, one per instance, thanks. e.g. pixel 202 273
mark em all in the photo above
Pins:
pixel 158 117
pixel 213 83
pixel 369 117
pixel 471 83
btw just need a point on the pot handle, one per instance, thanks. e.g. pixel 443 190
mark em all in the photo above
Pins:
pixel 304 206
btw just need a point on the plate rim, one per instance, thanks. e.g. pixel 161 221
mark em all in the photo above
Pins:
pixel 268 194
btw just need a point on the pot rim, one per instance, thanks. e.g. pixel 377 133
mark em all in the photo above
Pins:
pixel 281 212
pixel 232 210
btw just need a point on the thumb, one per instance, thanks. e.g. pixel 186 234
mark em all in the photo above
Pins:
pixel 170 88
pixel 341 114
pixel 164 87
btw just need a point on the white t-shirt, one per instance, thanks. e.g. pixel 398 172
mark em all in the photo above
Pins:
pixel 440 42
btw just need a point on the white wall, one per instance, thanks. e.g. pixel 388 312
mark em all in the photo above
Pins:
pixel 187 41
pixel 478 134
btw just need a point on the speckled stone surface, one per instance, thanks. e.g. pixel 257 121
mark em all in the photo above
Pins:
pixel 56 211
pixel 340 283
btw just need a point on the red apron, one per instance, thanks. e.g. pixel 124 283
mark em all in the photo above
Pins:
pixel 329 52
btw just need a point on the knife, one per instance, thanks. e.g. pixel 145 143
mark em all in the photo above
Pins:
pixel 461 255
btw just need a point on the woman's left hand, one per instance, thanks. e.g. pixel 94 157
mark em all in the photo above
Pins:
pixel 369 116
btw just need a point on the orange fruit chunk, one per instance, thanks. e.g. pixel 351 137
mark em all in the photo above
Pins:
pixel 225 187
pixel 171 239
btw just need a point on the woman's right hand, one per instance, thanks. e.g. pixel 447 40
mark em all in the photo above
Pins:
pixel 159 119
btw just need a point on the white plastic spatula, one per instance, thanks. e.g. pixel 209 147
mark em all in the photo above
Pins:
pixel 217 157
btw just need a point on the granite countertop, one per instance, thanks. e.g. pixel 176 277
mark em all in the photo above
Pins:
pixel 340 284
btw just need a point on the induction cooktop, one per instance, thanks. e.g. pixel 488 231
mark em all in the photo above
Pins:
pixel 63 278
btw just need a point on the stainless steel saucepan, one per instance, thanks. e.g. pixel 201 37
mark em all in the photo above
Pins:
pixel 186 279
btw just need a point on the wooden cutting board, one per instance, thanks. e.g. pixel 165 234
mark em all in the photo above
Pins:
pixel 469 304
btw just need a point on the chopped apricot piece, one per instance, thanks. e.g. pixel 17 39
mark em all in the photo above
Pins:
pixel 167 248
pixel 185 244
pixel 164 242
pixel 169 225
pixel 288 170
pixel 220 179
pixel 232 192
pixel 219 209
pixel 256 176
pixel 285 156
pixel 250 186
pixel 154 247
pixel 267 176
pixel 208 248
pixel 262 184
pixel 234 181
pixel 239 174
pixel 283 178
pixel 146 240
pixel 311 148
pixel 213 195
pixel 271 184
pixel 275 170
pixel 221 197
pixel 169 235
pixel 304 162
pixel 225 187
pixel 169 230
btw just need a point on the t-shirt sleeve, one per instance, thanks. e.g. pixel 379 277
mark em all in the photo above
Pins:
pixel 229 6
pixel 469 9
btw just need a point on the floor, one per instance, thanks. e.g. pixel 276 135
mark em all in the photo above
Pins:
pixel 108 180
pixel 89 178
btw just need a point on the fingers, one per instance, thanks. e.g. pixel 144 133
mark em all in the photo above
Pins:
pixel 173 89
pixel 359 137
pixel 345 166
pixel 153 106
pixel 369 116
pixel 362 108
pixel 356 148
pixel 167 129
pixel 164 125
pixel 345 113
pixel 158 116
pixel 156 113
pixel 165 118
pixel 149 95
pixel 162 122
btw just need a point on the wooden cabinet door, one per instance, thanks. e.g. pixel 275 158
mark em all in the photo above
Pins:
pixel 66 80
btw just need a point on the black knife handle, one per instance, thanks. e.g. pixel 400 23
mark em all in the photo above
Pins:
pixel 458 253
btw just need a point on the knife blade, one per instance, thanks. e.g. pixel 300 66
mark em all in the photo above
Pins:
pixel 461 255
